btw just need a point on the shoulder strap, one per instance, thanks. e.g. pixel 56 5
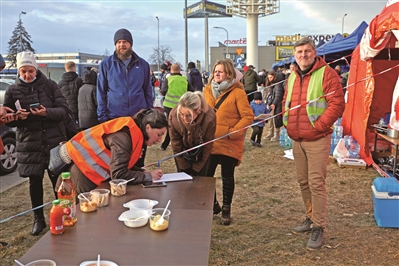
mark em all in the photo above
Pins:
pixel 221 101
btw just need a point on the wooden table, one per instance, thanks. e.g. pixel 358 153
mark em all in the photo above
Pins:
pixel 395 142
pixel 186 242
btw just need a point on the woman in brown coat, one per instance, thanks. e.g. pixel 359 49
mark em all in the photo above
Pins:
pixel 191 123
pixel 233 114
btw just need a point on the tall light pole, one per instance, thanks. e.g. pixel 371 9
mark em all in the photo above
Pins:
pixel 20 34
pixel 343 23
pixel 158 47
pixel 227 44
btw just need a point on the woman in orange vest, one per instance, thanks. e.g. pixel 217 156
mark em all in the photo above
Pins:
pixel 111 150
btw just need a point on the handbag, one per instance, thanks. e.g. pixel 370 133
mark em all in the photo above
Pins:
pixel 59 160
pixel 196 154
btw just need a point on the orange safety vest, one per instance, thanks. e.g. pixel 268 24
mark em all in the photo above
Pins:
pixel 87 149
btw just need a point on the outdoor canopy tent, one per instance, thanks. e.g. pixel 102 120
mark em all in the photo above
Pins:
pixel 339 46
pixel 370 89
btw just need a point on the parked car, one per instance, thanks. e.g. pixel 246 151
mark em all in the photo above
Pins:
pixel 8 159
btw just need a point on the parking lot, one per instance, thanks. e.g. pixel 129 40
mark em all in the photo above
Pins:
pixel 10 180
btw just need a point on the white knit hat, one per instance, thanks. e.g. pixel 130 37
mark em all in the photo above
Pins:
pixel 26 59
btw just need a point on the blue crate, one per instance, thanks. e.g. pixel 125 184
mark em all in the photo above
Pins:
pixel 386 201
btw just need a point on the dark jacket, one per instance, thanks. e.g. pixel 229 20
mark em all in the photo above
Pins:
pixel 121 90
pixel 36 135
pixel 299 127
pixel 69 85
pixel 184 136
pixel 87 101
pixel 250 80
pixel 278 93
pixel 194 77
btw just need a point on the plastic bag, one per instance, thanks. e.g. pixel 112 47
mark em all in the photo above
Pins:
pixel 340 150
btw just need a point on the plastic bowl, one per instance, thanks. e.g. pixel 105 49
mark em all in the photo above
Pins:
pixel 85 205
pixel 100 196
pixel 116 189
pixel 140 204
pixel 41 263
pixel 155 215
pixel 102 263
pixel 130 218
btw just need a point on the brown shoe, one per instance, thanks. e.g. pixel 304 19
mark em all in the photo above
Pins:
pixel 226 215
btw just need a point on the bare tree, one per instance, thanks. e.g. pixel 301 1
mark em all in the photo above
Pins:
pixel 165 53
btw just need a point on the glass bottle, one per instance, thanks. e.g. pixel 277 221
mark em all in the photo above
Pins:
pixel 67 197
pixel 56 218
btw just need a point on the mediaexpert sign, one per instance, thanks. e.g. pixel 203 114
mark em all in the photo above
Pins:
pixel 297 37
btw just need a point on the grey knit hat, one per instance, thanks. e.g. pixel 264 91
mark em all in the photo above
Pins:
pixel 123 34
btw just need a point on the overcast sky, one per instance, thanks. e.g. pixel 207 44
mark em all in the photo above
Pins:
pixel 89 26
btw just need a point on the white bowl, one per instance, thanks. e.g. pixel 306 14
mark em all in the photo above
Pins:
pixel 140 204
pixel 41 263
pixel 130 218
pixel 102 263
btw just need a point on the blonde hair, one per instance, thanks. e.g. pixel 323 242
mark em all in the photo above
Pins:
pixel 228 67
pixel 193 101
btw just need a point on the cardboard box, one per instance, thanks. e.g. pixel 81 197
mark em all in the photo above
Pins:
pixel 386 201
pixel 351 163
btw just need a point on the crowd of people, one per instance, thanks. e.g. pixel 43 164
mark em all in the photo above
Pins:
pixel 115 119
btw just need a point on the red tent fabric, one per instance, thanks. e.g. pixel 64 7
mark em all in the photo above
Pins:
pixel 369 92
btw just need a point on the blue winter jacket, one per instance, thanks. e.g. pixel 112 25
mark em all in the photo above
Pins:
pixel 259 109
pixel 121 90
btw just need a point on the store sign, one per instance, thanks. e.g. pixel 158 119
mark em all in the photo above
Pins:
pixel 297 37
pixel 240 41
pixel 283 52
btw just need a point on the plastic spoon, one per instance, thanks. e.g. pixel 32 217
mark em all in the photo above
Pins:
pixel 98 260
pixel 124 182
pixel 19 263
pixel 86 198
pixel 160 221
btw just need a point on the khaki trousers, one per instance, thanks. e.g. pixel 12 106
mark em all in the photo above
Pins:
pixel 311 160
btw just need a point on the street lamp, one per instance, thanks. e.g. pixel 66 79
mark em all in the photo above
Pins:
pixel 343 23
pixel 158 47
pixel 20 34
pixel 227 46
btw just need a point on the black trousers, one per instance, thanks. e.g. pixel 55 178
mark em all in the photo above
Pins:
pixel 190 171
pixel 36 192
pixel 257 132
pixel 166 141
pixel 228 165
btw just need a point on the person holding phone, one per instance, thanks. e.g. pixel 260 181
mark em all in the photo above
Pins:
pixel 40 109
pixel 6 115
pixel 192 122
pixel 116 146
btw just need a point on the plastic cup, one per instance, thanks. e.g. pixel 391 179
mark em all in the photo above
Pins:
pixel 116 189
pixel 155 215
pixel 41 263
pixel 87 204
pixel 100 196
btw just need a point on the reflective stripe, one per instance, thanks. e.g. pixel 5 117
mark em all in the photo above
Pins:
pixel 177 86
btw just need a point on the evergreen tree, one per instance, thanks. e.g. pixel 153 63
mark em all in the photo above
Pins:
pixel 20 41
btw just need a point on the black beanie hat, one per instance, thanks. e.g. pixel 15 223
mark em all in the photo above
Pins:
pixel 258 95
pixel 123 34
pixel 164 67
pixel 191 65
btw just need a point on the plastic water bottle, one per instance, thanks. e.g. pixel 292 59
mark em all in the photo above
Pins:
pixel 348 141
pixel 283 133
pixel 354 150
pixel 382 121
pixel 338 131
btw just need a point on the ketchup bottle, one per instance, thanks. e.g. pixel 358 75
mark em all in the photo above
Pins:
pixel 56 218
pixel 67 197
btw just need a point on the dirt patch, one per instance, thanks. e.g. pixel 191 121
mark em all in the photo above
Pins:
pixel 266 205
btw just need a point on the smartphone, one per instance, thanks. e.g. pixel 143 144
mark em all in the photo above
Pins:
pixel 151 184
pixel 35 106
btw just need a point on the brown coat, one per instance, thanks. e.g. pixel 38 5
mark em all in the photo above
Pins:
pixel 299 127
pixel 233 114
pixel 188 136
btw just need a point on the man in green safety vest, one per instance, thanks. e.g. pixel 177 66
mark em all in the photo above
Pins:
pixel 314 99
pixel 174 86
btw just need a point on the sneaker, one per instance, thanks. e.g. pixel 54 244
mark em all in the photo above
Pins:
pixel 303 227
pixel 252 142
pixel 316 238
pixel 258 144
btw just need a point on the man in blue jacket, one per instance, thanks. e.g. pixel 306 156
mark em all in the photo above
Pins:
pixel 124 83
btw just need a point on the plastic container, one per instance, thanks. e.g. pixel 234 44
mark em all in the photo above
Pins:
pixel 67 197
pixel 43 262
pixel 134 218
pixel 116 188
pixel 283 133
pixel 155 215
pixel 386 201
pixel 100 196
pixel 86 203
pixel 141 204
pixel 56 218
pixel 354 150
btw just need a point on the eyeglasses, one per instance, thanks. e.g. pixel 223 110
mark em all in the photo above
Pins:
pixel 186 116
